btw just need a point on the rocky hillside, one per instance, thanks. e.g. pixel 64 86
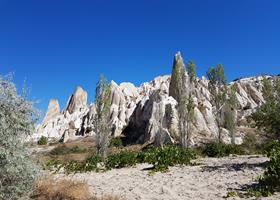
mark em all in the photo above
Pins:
pixel 140 113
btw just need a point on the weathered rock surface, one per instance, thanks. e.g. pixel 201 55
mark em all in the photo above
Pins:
pixel 77 101
pixel 52 112
pixel 140 113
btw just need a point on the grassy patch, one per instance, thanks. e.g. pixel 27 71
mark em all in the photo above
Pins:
pixel 49 187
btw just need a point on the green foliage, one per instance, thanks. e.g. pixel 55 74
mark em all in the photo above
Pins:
pixel 17 171
pixel 43 141
pixel 162 158
pixel 216 75
pixel 230 112
pixel 269 182
pixel 122 159
pixel 218 149
pixel 191 71
pixel 271 146
pixel 102 117
pixel 177 87
pixel 267 116
pixel 232 194
pixel 184 97
pixel 218 90
pixel 90 164
pixel 116 142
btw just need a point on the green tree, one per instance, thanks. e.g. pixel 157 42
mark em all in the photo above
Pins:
pixel 102 116
pixel 184 95
pixel 190 101
pixel 191 71
pixel 267 116
pixel 218 90
pixel 230 112
pixel 17 171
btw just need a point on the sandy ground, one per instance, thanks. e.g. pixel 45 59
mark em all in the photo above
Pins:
pixel 211 179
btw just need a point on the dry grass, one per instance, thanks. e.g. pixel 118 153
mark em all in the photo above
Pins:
pixel 51 188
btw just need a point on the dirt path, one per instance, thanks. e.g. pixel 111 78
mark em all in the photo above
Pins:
pixel 212 179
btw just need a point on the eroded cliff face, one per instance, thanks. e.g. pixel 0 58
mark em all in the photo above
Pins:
pixel 141 113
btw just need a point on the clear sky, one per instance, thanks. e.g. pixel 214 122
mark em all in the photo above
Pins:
pixel 58 44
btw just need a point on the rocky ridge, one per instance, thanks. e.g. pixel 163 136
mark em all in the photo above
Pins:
pixel 142 114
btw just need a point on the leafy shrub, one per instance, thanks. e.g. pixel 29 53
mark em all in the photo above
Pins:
pixel 267 116
pixel 271 146
pixel 17 170
pixel 43 141
pixel 90 164
pixel 122 159
pixel 116 142
pixel 51 165
pixel 162 158
pixel 218 149
pixel 269 182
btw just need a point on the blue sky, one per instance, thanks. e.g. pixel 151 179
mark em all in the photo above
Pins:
pixel 56 45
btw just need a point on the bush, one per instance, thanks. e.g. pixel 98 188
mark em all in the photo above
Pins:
pixel 270 147
pixel 218 149
pixel 43 141
pixel 162 158
pixel 17 170
pixel 116 142
pixel 269 182
pixel 122 159
pixel 90 164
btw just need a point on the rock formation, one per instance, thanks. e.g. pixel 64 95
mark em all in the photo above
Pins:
pixel 77 101
pixel 142 113
pixel 53 111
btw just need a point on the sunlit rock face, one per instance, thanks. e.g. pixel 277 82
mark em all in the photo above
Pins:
pixel 141 113
pixel 77 101
pixel 52 112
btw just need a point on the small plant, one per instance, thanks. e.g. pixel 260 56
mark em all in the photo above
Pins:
pixel 232 194
pixel 90 164
pixel 43 141
pixel 116 142
pixel 218 149
pixel 122 159
pixel 52 165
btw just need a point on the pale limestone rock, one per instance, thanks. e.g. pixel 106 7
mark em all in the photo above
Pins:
pixel 53 111
pixel 77 101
